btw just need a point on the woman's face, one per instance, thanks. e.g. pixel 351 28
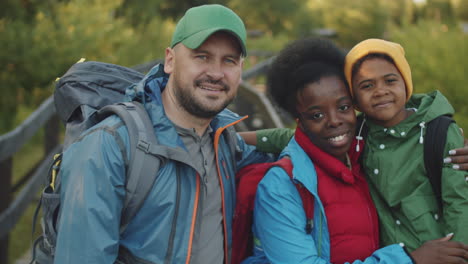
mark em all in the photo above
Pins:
pixel 327 115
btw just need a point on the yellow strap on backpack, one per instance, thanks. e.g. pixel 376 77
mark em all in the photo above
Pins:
pixel 55 170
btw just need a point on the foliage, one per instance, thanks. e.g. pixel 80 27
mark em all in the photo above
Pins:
pixel 273 17
pixel 438 54
pixel 34 55
pixel 440 10
pixel 141 12
pixel 461 9
pixel 353 20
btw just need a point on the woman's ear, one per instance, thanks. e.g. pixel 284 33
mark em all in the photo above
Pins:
pixel 299 123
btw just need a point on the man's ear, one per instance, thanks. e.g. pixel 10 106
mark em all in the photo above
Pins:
pixel 169 60
pixel 242 67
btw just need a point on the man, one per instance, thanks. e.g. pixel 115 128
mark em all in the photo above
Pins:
pixel 187 216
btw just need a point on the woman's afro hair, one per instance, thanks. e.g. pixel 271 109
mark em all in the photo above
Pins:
pixel 302 62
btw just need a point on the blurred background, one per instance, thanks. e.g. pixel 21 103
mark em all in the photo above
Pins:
pixel 41 39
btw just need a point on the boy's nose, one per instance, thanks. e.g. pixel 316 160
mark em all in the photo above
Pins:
pixel 380 91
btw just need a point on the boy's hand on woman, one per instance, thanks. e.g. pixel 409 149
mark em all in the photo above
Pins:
pixel 440 251
pixel 459 157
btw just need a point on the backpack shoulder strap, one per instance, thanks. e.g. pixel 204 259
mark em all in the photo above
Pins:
pixel 306 197
pixel 143 167
pixel 434 144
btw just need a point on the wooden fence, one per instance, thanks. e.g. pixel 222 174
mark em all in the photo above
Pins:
pixel 28 186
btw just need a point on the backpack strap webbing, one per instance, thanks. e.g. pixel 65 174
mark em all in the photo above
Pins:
pixel 434 145
pixel 143 167
pixel 306 197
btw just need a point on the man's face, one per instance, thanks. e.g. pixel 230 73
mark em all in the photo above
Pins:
pixel 205 80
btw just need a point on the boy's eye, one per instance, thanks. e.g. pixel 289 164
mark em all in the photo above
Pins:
pixel 366 86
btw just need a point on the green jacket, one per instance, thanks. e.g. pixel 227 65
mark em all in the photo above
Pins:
pixel 394 167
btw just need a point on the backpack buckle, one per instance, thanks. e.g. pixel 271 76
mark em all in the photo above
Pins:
pixel 143 145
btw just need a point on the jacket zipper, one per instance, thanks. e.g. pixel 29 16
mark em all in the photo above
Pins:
pixel 194 219
pixel 221 184
pixel 170 249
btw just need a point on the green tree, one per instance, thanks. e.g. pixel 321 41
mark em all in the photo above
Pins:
pixel 141 12
pixel 353 20
pixel 438 55
pixel 461 9
pixel 34 54
pixel 272 16
pixel 440 10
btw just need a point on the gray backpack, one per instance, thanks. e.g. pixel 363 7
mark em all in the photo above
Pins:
pixel 88 93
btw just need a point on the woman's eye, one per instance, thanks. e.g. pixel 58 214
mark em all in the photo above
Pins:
pixel 344 107
pixel 316 116
pixel 391 80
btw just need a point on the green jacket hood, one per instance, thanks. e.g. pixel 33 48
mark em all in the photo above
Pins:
pixel 429 106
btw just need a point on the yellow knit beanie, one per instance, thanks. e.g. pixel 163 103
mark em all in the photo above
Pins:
pixel 370 46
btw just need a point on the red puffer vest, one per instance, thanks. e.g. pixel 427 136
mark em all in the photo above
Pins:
pixel 351 215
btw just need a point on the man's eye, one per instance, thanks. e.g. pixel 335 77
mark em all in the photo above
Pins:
pixel 231 61
pixel 201 57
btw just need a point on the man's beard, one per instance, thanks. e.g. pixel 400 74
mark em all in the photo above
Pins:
pixel 193 106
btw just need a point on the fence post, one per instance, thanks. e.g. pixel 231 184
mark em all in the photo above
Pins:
pixel 5 200
pixel 51 135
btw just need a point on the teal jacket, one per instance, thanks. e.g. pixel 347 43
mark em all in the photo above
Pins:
pixel 279 220
pixel 93 188
pixel 394 164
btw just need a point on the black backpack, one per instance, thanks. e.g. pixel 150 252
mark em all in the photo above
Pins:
pixel 88 93
pixel 434 144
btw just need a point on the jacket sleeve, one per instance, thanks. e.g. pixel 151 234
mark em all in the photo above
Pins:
pixel 279 221
pixel 93 180
pixel 273 140
pixel 249 155
pixel 455 192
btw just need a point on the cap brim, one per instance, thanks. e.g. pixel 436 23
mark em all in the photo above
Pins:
pixel 197 39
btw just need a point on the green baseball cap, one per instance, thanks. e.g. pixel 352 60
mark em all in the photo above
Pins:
pixel 200 22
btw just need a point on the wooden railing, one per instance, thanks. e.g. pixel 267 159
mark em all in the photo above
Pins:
pixel 28 186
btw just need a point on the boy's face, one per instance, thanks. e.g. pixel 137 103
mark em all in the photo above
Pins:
pixel 380 92
pixel 327 115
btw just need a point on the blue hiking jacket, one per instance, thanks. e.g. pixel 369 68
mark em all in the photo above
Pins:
pixel 93 188
pixel 279 219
